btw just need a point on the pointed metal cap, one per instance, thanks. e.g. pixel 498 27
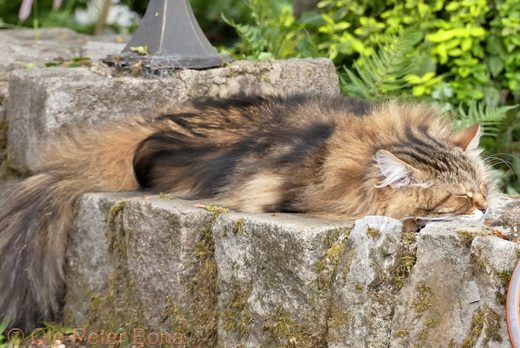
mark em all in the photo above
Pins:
pixel 173 38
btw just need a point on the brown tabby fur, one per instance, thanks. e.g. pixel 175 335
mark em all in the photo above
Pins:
pixel 325 156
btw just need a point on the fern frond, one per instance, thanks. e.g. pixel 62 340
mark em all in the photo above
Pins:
pixel 383 71
pixel 273 30
pixel 490 117
pixel 251 36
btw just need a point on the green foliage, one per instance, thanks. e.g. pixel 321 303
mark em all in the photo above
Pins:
pixel 275 33
pixel 385 71
pixel 464 55
pixel 490 117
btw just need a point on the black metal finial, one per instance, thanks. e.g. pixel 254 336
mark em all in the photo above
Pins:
pixel 173 39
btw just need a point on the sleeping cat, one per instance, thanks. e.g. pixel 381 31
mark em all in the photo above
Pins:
pixel 326 156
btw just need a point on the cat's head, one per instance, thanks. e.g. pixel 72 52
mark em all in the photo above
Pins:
pixel 435 179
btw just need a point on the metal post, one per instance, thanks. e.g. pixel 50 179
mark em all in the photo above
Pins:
pixel 173 39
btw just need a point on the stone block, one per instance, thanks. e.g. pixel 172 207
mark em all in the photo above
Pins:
pixel 274 278
pixel 455 294
pixel 140 263
pixel 45 101
pixel 364 292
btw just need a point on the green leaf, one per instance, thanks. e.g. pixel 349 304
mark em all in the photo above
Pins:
pixel 50 64
pixel 78 59
pixel 496 65
pixel 477 32
pixel 265 56
pixel 441 35
pixel 466 44
pixel 142 50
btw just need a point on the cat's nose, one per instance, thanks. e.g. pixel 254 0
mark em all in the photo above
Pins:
pixel 483 208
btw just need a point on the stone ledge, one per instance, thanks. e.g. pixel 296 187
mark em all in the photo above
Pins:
pixel 229 279
pixel 44 101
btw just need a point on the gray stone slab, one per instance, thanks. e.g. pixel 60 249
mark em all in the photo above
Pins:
pixel 45 101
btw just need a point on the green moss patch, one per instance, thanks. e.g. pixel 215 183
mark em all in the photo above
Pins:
pixel 483 318
pixel 423 301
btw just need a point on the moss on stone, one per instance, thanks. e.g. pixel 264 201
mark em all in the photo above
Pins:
pixel 483 317
pixel 119 310
pixel 423 334
pixel 239 226
pixel 373 233
pixel 216 209
pixel 288 333
pixel 166 196
pixel 346 268
pixel 468 236
pixel 402 333
pixel 202 316
pixel 480 262
pixel 504 278
pixel 402 269
pixel 493 326
pixel 336 320
pixel 423 301
pixel 409 238
pixel 236 314
pixel 336 243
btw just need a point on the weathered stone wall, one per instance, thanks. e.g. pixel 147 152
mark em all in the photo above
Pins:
pixel 226 279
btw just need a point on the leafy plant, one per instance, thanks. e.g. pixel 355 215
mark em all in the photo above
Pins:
pixel 490 117
pixel 275 33
pixel 385 71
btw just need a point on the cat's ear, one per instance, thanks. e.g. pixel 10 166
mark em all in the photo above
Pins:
pixel 469 138
pixel 396 173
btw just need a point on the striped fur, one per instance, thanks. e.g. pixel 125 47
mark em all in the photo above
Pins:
pixel 325 156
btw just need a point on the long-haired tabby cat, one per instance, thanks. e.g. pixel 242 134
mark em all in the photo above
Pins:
pixel 326 156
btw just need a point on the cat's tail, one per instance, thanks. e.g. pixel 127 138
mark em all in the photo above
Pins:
pixel 35 219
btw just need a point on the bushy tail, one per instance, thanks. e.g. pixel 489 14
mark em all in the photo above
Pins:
pixel 35 219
